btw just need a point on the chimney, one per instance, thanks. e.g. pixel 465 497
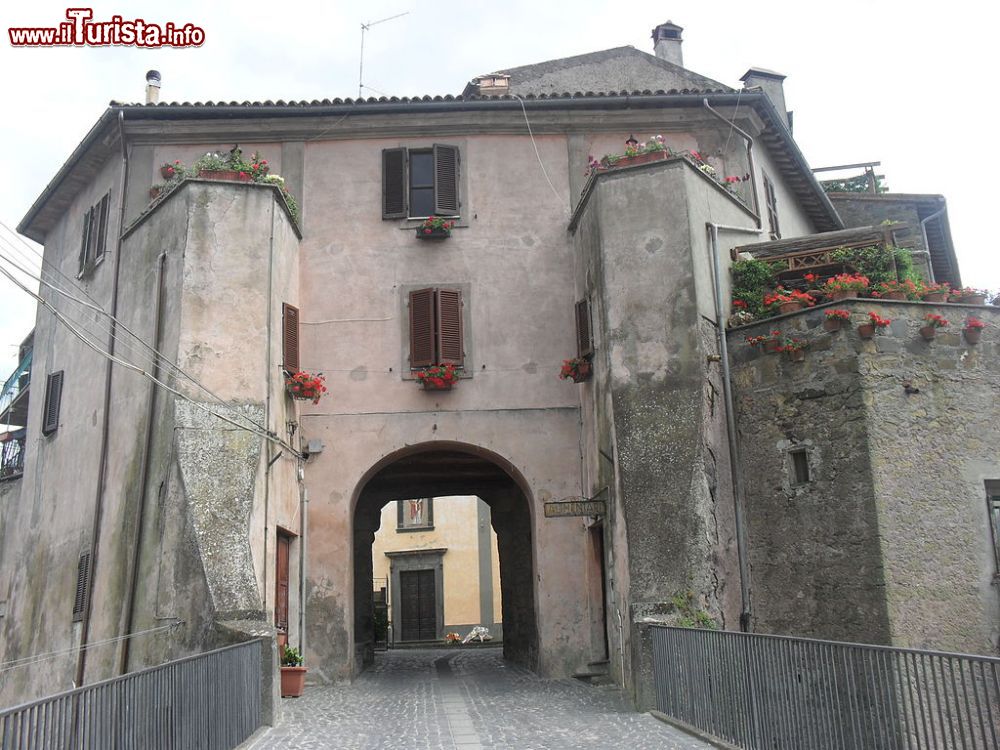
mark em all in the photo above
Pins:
pixel 667 43
pixel 772 85
pixel 152 86
pixel 492 84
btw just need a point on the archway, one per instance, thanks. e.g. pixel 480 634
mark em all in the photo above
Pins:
pixel 441 469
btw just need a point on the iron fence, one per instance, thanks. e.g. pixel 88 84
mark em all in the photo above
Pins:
pixel 211 701
pixel 779 693
pixel 12 456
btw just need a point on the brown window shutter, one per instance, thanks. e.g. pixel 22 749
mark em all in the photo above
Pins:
pixel 422 328
pixel 446 180
pixel 584 339
pixel 290 337
pixel 53 398
pixel 281 583
pixel 449 327
pixel 102 224
pixel 87 219
pixel 82 587
pixel 394 187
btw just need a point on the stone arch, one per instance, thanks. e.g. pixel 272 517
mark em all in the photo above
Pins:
pixel 439 468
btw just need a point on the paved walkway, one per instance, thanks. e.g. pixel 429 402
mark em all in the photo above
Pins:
pixel 465 700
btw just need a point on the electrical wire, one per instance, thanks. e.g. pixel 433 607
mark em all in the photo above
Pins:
pixel 129 366
pixel 537 155
pixel 157 358
pixel 732 121
pixel 49 655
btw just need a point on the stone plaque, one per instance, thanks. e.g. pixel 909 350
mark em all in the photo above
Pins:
pixel 581 507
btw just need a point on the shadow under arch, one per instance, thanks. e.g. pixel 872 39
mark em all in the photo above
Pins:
pixel 441 468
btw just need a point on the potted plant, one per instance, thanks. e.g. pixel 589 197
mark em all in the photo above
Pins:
pixel 875 324
pixel 969 296
pixel 897 290
pixel 844 286
pixel 435 228
pixel 795 349
pixel 973 329
pixel 772 344
pixel 438 377
pixel 231 167
pixel 933 322
pixel 935 292
pixel 172 169
pixel 835 319
pixel 305 386
pixel 293 674
pixel 788 301
pixel 654 149
pixel 577 369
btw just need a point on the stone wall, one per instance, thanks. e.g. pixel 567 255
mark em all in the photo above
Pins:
pixel 888 540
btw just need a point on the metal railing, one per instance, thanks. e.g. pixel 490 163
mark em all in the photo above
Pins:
pixel 12 458
pixel 776 692
pixel 16 383
pixel 210 701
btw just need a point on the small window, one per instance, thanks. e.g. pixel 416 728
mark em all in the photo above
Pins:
pixel 799 467
pixel 415 515
pixel 95 235
pixel 417 183
pixel 772 208
pixel 436 328
pixel 281 578
pixel 53 399
pixel 290 338
pixel 993 507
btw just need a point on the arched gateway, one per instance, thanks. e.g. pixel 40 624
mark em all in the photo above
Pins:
pixel 450 468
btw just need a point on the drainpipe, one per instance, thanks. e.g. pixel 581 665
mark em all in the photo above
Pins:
pixel 267 400
pixel 303 550
pixel 727 391
pixel 750 162
pixel 927 248
pixel 95 538
pixel 144 469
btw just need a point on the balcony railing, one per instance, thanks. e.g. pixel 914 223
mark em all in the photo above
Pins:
pixel 12 454
pixel 13 387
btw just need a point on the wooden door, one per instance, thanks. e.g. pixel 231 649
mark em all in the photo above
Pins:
pixel 281 584
pixel 418 605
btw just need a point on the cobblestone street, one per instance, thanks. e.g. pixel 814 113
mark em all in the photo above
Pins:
pixel 463 700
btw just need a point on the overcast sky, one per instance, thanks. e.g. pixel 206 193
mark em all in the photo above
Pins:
pixel 905 83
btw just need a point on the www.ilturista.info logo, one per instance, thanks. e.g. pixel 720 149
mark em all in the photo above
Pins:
pixel 81 31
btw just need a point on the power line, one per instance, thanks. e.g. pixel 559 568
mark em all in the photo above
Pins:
pixel 129 366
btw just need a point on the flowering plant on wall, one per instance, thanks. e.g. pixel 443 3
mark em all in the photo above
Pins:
pixel 172 169
pixel 845 282
pixel 838 314
pixel 935 321
pixel 305 386
pixel 792 298
pixel 438 377
pixel 577 369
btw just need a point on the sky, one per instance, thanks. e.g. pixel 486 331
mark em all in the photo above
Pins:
pixel 904 83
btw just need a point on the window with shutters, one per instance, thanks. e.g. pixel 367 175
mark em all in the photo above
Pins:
pixel 584 334
pixel 95 235
pixel 281 579
pixel 82 587
pixel 289 338
pixel 53 398
pixel 772 208
pixel 437 327
pixel 421 182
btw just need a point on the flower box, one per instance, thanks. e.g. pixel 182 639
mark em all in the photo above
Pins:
pixel 936 297
pixel 230 175
pixel 645 158
pixel 973 299
pixel 438 377
pixel 304 386
pixel 433 234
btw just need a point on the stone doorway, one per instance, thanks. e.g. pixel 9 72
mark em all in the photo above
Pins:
pixel 449 469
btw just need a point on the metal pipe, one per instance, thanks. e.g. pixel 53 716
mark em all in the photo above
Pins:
pixel 102 469
pixel 303 550
pixel 923 231
pixel 727 392
pixel 267 399
pixel 750 162
pixel 144 470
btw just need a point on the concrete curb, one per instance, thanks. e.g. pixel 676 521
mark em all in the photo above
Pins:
pixel 693 731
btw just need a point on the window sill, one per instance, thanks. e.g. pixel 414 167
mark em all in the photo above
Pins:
pixel 91 267
pixel 411 529
pixel 409 225
pixel 411 375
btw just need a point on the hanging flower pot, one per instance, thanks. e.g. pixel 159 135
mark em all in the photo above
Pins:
pixel 789 307
pixel 933 322
pixel 435 228
pixel 835 320
pixel 577 369
pixel 438 377
pixel 304 386
pixel 866 331
pixel 795 349
pixel 973 330
pixel 928 332
pixel 875 324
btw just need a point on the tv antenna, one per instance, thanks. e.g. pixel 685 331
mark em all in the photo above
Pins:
pixel 361 66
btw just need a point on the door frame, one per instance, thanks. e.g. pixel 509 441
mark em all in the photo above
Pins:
pixel 418 559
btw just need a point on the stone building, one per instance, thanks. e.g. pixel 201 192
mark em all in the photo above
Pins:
pixel 174 519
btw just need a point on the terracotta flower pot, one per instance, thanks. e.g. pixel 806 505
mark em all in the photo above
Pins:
pixel 843 294
pixel 293 681
pixel 833 324
pixel 973 299
pixel 866 331
pixel 936 297
pixel 583 372
pixel 928 332
pixel 972 335
pixel 790 307
pixel 230 175
pixel 154 193
pixel 797 355
pixel 894 295
pixel 431 386
pixel 644 158
pixel 167 172
pixel 771 346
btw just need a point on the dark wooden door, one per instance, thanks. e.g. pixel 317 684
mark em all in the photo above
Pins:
pixel 281 585
pixel 418 615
